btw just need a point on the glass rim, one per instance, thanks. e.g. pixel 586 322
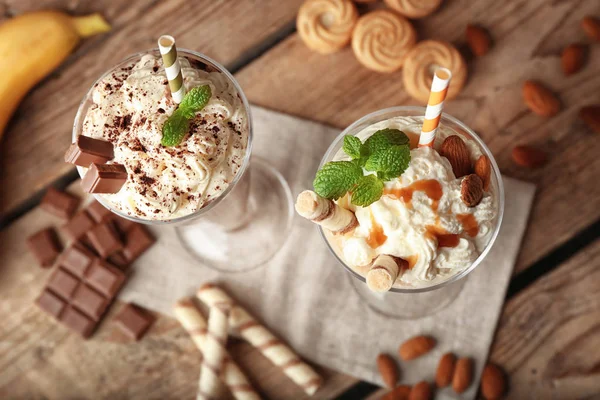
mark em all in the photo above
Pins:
pixel 418 112
pixel 238 176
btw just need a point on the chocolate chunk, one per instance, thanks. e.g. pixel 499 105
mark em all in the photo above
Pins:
pixel 59 203
pixel 87 150
pixel 45 246
pixel 78 226
pixel 90 302
pixel 98 212
pixel 77 259
pixel 78 322
pixel 51 303
pixel 137 242
pixel 123 225
pixel 63 283
pixel 105 239
pixel 105 278
pixel 133 321
pixel 104 178
pixel 119 260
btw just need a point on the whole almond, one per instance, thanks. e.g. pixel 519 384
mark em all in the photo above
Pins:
pixel 421 391
pixel 540 99
pixel 493 382
pixel 416 347
pixel 591 27
pixel 483 169
pixel 463 374
pixel 400 392
pixel 591 116
pixel 455 150
pixel 388 370
pixel 529 157
pixel 445 370
pixel 573 58
pixel 478 39
pixel 471 190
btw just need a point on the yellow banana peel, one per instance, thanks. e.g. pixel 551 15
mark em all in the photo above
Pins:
pixel 32 45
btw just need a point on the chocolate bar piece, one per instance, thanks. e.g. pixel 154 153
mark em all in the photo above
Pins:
pixel 105 239
pixel 105 278
pixel 59 203
pixel 119 260
pixel 137 242
pixel 77 321
pixel 77 259
pixel 63 283
pixel 78 226
pixel 104 178
pixel 45 246
pixel 90 302
pixel 98 212
pixel 133 321
pixel 51 303
pixel 87 150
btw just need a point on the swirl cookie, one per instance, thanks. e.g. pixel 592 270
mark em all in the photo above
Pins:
pixel 422 61
pixel 414 8
pixel 382 39
pixel 326 25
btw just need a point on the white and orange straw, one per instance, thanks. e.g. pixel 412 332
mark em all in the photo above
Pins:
pixel 435 105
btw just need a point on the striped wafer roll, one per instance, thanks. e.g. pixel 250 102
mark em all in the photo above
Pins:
pixel 258 336
pixel 384 272
pixel 195 324
pixel 325 212
pixel 435 105
pixel 214 352
pixel 168 51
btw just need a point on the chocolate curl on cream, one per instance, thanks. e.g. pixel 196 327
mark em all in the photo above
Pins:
pixel 195 324
pixel 261 338
pixel 325 212
pixel 384 272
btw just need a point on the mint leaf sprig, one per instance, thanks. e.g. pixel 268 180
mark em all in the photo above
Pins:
pixel 178 124
pixel 386 152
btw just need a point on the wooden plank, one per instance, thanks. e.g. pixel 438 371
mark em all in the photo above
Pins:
pixel 549 334
pixel 32 150
pixel 529 36
pixel 41 359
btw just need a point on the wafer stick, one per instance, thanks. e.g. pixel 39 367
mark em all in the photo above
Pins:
pixel 384 272
pixel 258 336
pixel 325 212
pixel 194 323
pixel 214 352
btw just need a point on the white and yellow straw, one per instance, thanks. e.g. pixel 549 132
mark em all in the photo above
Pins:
pixel 435 106
pixel 168 51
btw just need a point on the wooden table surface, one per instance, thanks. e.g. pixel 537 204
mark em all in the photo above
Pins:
pixel 549 333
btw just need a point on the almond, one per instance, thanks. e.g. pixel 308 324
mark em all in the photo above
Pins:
pixel 529 157
pixel 388 370
pixel 445 370
pixel 591 116
pixel 463 375
pixel 455 150
pixel 400 392
pixel 471 190
pixel 483 169
pixel 591 27
pixel 416 347
pixel 478 39
pixel 493 382
pixel 421 391
pixel 573 58
pixel 540 99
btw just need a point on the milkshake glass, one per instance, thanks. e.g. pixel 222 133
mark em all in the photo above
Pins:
pixel 404 300
pixel 224 227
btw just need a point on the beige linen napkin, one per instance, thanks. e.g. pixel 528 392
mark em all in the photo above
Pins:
pixel 307 298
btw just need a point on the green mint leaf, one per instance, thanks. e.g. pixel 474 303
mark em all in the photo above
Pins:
pixel 195 100
pixel 336 178
pixel 389 163
pixel 175 129
pixel 352 146
pixel 367 191
pixel 384 139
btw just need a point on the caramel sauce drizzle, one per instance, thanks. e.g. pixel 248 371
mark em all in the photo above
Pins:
pixel 376 235
pixel 469 224
pixel 431 187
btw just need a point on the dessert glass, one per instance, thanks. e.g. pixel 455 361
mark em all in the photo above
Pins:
pixel 233 232
pixel 409 302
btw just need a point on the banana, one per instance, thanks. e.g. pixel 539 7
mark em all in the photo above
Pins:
pixel 31 46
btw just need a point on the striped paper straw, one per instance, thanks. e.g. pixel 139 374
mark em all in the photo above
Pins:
pixel 435 105
pixel 168 51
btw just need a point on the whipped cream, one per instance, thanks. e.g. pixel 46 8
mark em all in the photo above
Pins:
pixel 417 212
pixel 130 107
